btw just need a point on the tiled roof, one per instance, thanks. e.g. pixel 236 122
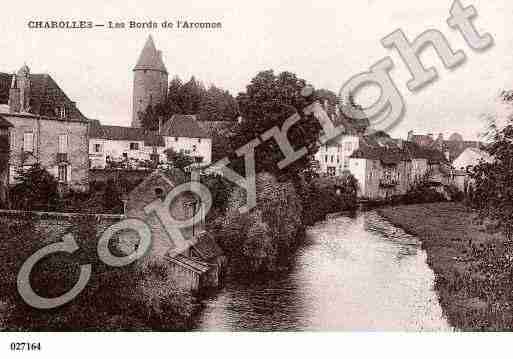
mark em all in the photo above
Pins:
pixel 120 133
pixel 184 126
pixel 392 151
pixel 150 58
pixel 218 128
pixel 456 148
pixel 189 263
pixel 45 95
pixel 4 123
pixel 423 140
pixel 380 148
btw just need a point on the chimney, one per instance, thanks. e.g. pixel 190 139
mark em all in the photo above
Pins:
pixel 14 96
pixel 160 124
pixel 400 143
pixel 410 135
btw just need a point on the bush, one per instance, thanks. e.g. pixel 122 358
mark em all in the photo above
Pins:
pixel 124 298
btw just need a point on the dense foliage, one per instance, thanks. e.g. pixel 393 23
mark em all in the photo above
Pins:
pixel 192 98
pixel 492 192
pixel 36 189
pixel 116 298
pixel 178 159
pixel 268 101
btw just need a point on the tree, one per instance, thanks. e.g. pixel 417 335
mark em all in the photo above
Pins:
pixel 173 102
pixel 492 190
pixel 36 189
pixel 268 101
pixel 218 105
pixel 190 96
pixel 178 159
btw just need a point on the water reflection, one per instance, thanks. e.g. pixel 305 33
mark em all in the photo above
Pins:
pixel 352 274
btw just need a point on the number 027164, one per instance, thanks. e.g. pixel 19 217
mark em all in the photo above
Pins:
pixel 20 346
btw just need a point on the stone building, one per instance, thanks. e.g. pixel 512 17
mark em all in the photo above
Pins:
pixel 150 81
pixel 47 128
pixel 183 133
pixel 5 127
pixel 118 144
pixel 199 264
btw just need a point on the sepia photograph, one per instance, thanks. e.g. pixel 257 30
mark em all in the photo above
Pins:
pixel 324 167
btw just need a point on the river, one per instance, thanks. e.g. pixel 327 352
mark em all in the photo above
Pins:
pixel 352 273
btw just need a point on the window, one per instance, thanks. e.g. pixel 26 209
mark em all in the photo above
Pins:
pixel 159 193
pixel 63 173
pixel 62 112
pixel 331 171
pixel 176 139
pixel 134 146
pixel 348 146
pixel 28 142
pixel 332 158
pixel 199 140
pixel 346 162
pixel 97 147
pixel 154 157
pixel 198 159
pixel 194 148
pixel 326 158
pixel 338 159
pixel 63 143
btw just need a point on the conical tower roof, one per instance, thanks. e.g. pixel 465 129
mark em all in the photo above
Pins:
pixel 150 58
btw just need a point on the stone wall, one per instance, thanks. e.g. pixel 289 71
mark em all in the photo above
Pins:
pixel 46 146
pixel 51 226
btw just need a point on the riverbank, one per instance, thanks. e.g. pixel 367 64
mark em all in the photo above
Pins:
pixel 472 266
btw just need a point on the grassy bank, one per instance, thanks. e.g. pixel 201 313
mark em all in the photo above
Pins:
pixel 473 267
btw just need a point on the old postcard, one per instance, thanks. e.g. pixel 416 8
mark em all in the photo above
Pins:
pixel 271 166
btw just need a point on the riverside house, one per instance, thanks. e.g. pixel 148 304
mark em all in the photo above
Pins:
pixel 201 264
pixel 137 148
pixel 45 127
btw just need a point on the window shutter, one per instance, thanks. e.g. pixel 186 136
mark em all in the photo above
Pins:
pixel 69 174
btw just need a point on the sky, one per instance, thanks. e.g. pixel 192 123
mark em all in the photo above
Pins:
pixel 324 42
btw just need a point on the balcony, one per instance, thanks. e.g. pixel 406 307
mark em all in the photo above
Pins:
pixel 62 158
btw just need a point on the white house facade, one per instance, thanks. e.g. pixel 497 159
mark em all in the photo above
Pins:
pixel 140 148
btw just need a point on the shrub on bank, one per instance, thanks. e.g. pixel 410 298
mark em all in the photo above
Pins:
pixel 124 298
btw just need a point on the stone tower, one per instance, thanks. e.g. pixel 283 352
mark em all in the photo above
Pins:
pixel 150 81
